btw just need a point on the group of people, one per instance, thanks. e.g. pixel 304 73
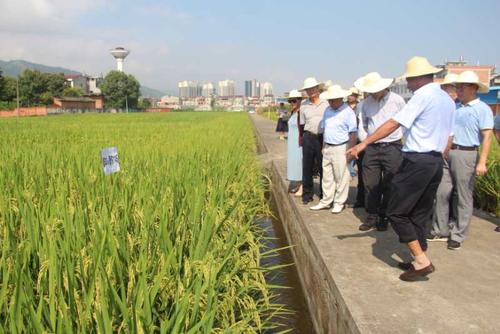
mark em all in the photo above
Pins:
pixel 417 160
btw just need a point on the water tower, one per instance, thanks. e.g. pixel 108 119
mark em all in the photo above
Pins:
pixel 120 54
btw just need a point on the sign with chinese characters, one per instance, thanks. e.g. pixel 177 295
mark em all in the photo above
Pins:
pixel 110 160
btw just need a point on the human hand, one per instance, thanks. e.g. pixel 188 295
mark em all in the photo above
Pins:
pixel 481 169
pixel 354 151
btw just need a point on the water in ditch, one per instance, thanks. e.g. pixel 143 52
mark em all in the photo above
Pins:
pixel 299 321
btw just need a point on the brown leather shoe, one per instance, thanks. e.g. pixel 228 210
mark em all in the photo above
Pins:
pixel 369 223
pixel 415 275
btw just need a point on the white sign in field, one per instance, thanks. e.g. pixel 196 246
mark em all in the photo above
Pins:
pixel 110 160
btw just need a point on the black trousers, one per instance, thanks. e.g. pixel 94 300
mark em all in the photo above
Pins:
pixel 412 194
pixel 311 155
pixel 360 194
pixel 380 163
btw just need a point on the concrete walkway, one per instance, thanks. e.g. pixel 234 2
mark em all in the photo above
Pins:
pixel 351 277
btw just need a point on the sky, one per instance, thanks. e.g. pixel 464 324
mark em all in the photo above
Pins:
pixel 279 41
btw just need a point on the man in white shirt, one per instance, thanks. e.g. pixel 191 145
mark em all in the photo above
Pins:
pixel 311 114
pixel 427 121
pixel 339 129
pixel 382 158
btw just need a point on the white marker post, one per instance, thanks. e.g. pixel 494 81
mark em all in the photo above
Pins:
pixel 110 160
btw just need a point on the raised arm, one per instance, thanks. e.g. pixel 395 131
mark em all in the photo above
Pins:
pixel 383 131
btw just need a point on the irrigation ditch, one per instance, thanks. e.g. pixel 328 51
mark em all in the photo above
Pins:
pixel 288 292
pixel 325 306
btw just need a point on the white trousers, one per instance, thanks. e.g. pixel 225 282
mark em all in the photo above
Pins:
pixel 335 175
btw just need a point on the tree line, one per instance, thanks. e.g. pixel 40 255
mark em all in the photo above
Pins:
pixel 39 89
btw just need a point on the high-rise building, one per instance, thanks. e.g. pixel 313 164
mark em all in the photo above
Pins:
pixel 226 88
pixel 248 88
pixel 252 88
pixel 189 89
pixel 208 90
pixel 266 89
pixel 256 88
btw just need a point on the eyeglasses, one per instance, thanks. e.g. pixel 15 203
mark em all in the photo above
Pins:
pixel 292 101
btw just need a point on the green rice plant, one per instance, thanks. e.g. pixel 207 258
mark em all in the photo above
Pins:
pixel 166 245
pixel 268 112
pixel 487 189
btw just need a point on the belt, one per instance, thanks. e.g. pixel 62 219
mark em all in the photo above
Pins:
pixel 311 133
pixel 463 148
pixel 336 144
pixel 385 144
pixel 433 153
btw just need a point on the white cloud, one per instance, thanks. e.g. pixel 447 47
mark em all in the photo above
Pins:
pixel 41 16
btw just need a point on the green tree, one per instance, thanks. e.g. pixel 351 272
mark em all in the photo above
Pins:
pixel 37 88
pixel 9 91
pixel 56 83
pixel 72 92
pixel 118 86
pixel 7 88
pixel 144 103
pixel 2 83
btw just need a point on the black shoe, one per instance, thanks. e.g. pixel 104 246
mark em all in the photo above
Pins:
pixel 306 200
pixel 453 245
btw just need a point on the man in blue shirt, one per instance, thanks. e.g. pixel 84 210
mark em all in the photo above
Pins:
pixel 472 129
pixel 339 129
pixel 440 230
pixel 426 120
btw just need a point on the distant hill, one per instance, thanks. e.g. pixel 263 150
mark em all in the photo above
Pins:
pixel 13 68
pixel 151 92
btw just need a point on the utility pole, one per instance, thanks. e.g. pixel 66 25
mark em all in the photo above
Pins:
pixel 17 92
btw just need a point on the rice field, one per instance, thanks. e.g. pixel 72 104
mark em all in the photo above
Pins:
pixel 166 245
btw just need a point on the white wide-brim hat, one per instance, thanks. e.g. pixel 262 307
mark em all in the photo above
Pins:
pixel 471 77
pixel 335 92
pixel 294 94
pixel 327 84
pixel 372 83
pixel 418 66
pixel 354 91
pixel 310 83
pixel 449 79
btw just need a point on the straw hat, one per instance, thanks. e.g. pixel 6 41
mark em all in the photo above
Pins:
pixel 294 94
pixel 372 83
pixel 450 79
pixel 312 82
pixel 418 66
pixel 472 78
pixel 335 92
pixel 354 91
pixel 327 84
